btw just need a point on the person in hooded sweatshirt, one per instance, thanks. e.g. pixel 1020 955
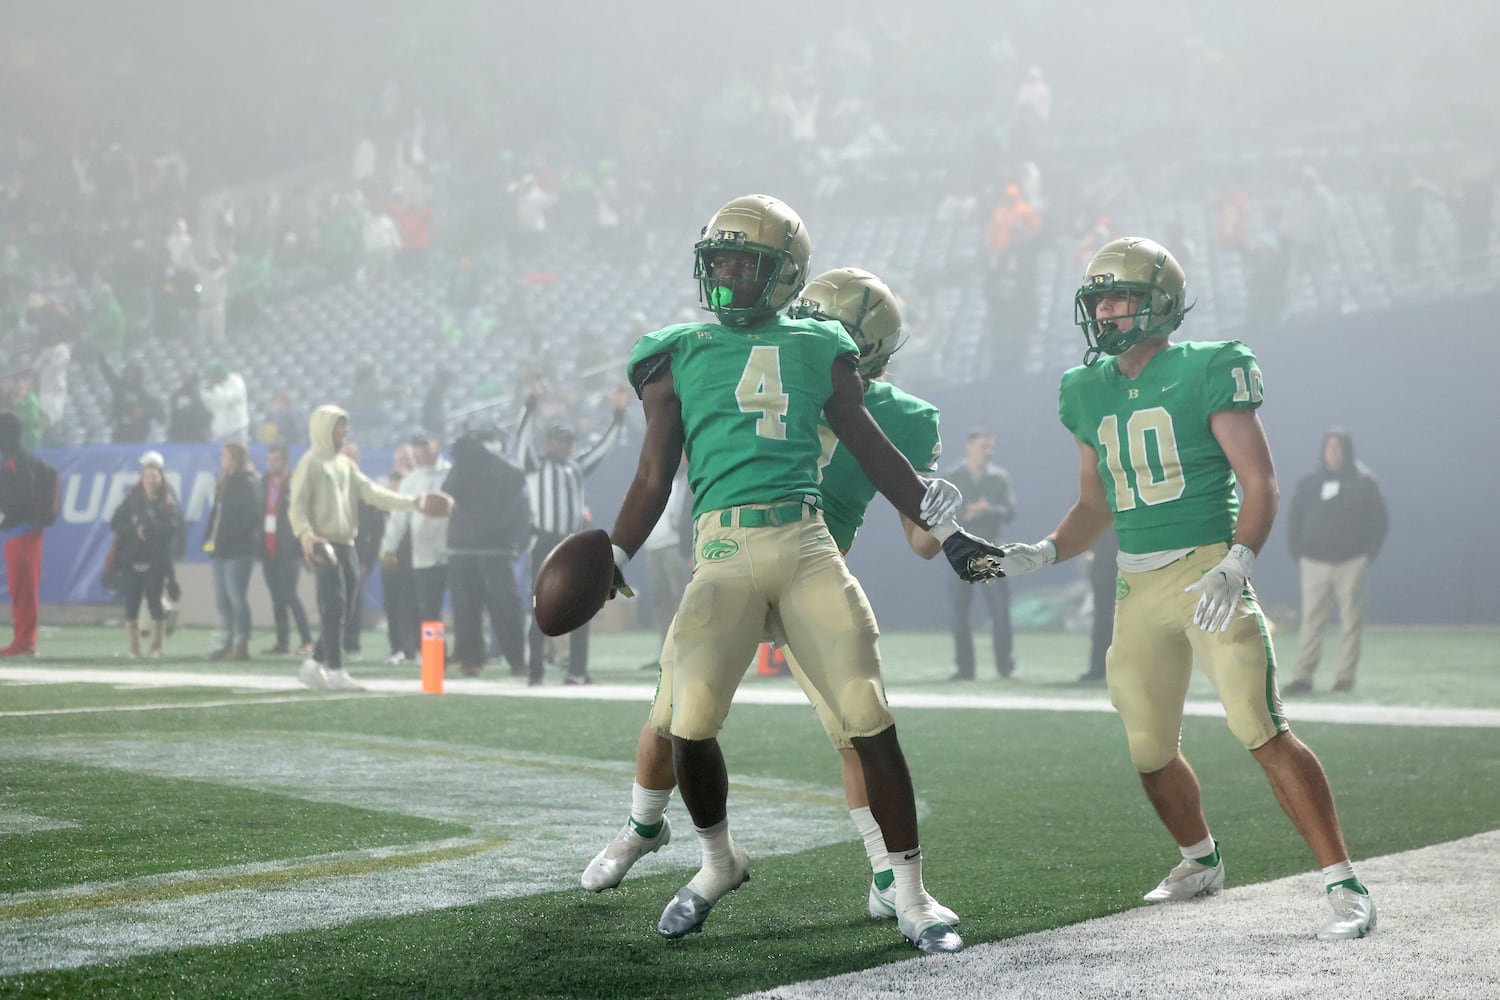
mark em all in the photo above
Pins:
pixel 1337 525
pixel 327 487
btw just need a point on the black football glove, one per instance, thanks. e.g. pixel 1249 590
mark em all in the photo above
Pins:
pixel 972 558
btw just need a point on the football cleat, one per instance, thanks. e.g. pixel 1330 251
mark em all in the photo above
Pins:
pixel 313 675
pixel 1353 915
pixel 931 935
pixel 339 680
pixel 688 910
pixel 882 905
pixel 1189 880
pixel 609 866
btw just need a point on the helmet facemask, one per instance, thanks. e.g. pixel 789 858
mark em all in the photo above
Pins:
pixel 1157 311
pixel 718 295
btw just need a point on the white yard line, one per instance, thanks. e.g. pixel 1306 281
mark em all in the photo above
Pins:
pixel 1435 940
pixel 1342 712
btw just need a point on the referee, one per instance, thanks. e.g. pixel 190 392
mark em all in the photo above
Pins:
pixel 555 480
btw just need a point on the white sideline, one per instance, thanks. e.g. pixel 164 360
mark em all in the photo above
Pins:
pixel 507 687
pixel 1435 939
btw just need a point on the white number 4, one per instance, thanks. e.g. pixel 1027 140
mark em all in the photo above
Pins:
pixel 760 392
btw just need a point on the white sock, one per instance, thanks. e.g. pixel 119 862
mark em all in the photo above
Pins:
pixel 1201 849
pixel 648 805
pixel 906 866
pixel 712 880
pixel 1341 871
pixel 869 831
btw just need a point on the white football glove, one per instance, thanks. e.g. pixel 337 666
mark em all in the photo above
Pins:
pixel 1020 559
pixel 1222 588
pixel 941 501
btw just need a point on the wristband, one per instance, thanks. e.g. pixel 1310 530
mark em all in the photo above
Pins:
pixel 942 530
pixel 621 557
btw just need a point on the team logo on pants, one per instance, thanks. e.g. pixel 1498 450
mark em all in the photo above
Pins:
pixel 1122 589
pixel 719 548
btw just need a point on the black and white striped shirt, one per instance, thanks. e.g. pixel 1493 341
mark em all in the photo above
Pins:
pixel 557 500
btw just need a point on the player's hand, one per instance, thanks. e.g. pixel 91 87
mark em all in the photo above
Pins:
pixel 1222 588
pixel 941 501
pixel 972 558
pixel 619 586
pixel 1021 558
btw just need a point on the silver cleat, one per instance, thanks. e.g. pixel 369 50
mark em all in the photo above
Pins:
pixel 1353 915
pixel 688 910
pixel 1188 880
pixel 609 866
pixel 931 936
pixel 881 904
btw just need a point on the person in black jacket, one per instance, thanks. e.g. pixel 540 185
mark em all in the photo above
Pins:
pixel 145 526
pixel 132 409
pixel 989 505
pixel 490 528
pixel 1338 523
pixel 233 539
pixel 189 419
pixel 281 556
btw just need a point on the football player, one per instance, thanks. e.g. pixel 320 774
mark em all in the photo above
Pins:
pixel 744 398
pixel 869 312
pixel 1165 431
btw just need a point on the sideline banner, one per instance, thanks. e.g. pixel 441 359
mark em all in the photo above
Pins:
pixel 94 479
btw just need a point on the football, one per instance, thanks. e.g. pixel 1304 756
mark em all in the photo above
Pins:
pixel 574 582
pixel 323 556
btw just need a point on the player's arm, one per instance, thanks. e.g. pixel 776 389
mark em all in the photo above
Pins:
pixel 887 468
pixel 922 541
pixel 661 452
pixel 1088 518
pixel 1243 438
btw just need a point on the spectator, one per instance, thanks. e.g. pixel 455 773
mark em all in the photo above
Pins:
pixel 429 535
pixel 1338 523
pixel 989 505
pixel 398 584
pixel 281 559
pixel 145 527
pixel 555 479
pixel 326 490
pixel 233 540
pixel 52 387
pixel 491 527
pixel 188 419
pixel 434 404
pixel 213 301
pixel 284 423
pixel 180 246
pixel 133 410
pixel 21 530
pixel 1310 234
pixel 369 405
pixel 16 397
pixel 226 401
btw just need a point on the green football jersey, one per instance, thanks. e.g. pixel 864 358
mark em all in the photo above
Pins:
pixel 1164 474
pixel 752 401
pixel 912 426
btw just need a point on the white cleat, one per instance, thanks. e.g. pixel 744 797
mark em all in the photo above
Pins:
pixel 931 935
pixel 313 675
pixel 882 905
pixel 1188 880
pixel 1353 915
pixel 688 910
pixel 339 680
pixel 609 866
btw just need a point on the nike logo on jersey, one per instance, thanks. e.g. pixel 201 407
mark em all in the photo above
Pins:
pixel 1171 386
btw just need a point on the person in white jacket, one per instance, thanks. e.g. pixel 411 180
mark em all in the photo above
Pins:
pixel 225 397
pixel 429 535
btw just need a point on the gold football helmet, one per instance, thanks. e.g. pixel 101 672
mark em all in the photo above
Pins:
pixel 1138 267
pixel 753 224
pixel 866 307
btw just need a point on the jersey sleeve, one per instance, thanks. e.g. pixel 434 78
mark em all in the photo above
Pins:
pixel 920 440
pixel 651 354
pixel 1069 403
pixel 1232 380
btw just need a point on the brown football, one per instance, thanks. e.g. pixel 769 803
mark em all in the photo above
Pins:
pixel 574 582
pixel 323 556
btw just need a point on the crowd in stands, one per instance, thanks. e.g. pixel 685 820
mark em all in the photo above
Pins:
pixel 422 224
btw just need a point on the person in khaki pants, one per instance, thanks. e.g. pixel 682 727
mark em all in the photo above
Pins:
pixel 1338 523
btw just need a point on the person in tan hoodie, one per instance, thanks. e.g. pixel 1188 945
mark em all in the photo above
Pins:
pixel 327 487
